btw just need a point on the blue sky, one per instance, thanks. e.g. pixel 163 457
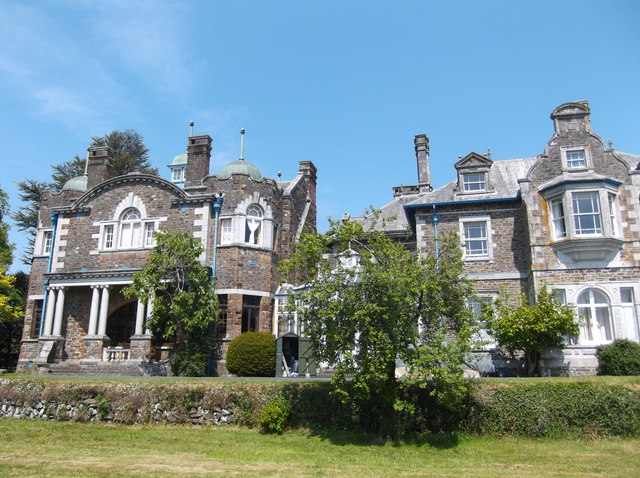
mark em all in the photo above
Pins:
pixel 346 84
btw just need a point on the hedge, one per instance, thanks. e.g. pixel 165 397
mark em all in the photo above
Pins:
pixel 536 409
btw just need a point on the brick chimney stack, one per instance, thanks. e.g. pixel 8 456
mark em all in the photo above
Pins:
pixel 198 159
pixel 99 167
pixel 421 142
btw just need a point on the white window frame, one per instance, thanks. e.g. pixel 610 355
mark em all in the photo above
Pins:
pixel 47 240
pixel 591 326
pixel 558 221
pixel 482 336
pixel 178 174
pixel 475 182
pixel 128 234
pixel 254 225
pixel 607 223
pixel 108 236
pixel 569 163
pixel 226 230
pixel 628 314
pixel 488 255
pixel 595 213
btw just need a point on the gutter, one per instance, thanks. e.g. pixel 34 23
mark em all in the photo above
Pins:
pixel 409 209
pixel 54 228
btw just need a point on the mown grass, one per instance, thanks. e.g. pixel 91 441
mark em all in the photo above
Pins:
pixel 63 449
pixel 603 380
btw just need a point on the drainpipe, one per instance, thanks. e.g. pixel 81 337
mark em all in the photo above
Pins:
pixel 217 206
pixel 54 226
pixel 435 230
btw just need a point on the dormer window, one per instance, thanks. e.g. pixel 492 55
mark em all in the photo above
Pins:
pixel 177 174
pixel 474 182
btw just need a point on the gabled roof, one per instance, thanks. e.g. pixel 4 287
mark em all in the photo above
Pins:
pixel 473 160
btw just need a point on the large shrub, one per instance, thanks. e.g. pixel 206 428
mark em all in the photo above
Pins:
pixel 252 354
pixel 622 357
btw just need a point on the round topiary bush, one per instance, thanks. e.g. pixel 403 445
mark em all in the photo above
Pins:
pixel 252 354
pixel 622 357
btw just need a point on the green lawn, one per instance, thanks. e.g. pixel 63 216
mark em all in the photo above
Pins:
pixel 36 448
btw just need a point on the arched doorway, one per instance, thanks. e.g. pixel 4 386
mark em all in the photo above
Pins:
pixel 121 324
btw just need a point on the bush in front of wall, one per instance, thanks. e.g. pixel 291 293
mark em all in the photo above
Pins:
pixel 274 416
pixel 252 354
pixel 622 357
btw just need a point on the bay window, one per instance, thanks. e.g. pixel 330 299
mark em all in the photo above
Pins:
pixel 586 213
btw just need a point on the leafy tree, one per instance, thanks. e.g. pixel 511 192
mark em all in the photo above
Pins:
pixel 26 217
pixel 11 318
pixel 377 303
pixel 6 248
pixel 183 299
pixel 129 154
pixel 530 328
pixel 11 297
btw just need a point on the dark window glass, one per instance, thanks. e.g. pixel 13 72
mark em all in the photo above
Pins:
pixel 250 313
pixel 223 300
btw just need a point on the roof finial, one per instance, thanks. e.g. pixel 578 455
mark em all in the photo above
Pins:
pixel 191 124
pixel 242 144
pixel 610 144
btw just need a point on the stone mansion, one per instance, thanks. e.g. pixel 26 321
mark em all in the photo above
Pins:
pixel 568 219
pixel 98 230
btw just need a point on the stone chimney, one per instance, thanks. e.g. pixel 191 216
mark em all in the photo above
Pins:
pixel 421 142
pixel 99 167
pixel 198 159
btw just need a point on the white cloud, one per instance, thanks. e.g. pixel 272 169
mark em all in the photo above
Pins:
pixel 151 39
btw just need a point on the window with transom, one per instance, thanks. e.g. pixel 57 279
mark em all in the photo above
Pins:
pixel 253 228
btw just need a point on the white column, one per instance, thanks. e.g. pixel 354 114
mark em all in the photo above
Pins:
pixel 48 320
pixel 57 321
pixel 139 318
pixel 104 308
pixel 95 307
pixel 149 312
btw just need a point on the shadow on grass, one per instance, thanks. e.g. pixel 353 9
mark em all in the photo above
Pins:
pixel 440 441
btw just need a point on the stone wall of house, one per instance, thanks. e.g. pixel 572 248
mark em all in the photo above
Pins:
pixel 509 264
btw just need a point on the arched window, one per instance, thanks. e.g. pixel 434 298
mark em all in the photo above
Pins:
pixel 130 228
pixel 595 317
pixel 254 225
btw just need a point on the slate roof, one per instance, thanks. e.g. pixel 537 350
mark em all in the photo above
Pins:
pixel 504 177
pixel 631 159
pixel 504 183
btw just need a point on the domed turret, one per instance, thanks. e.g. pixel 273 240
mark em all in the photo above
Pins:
pixel 79 183
pixel 240 166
